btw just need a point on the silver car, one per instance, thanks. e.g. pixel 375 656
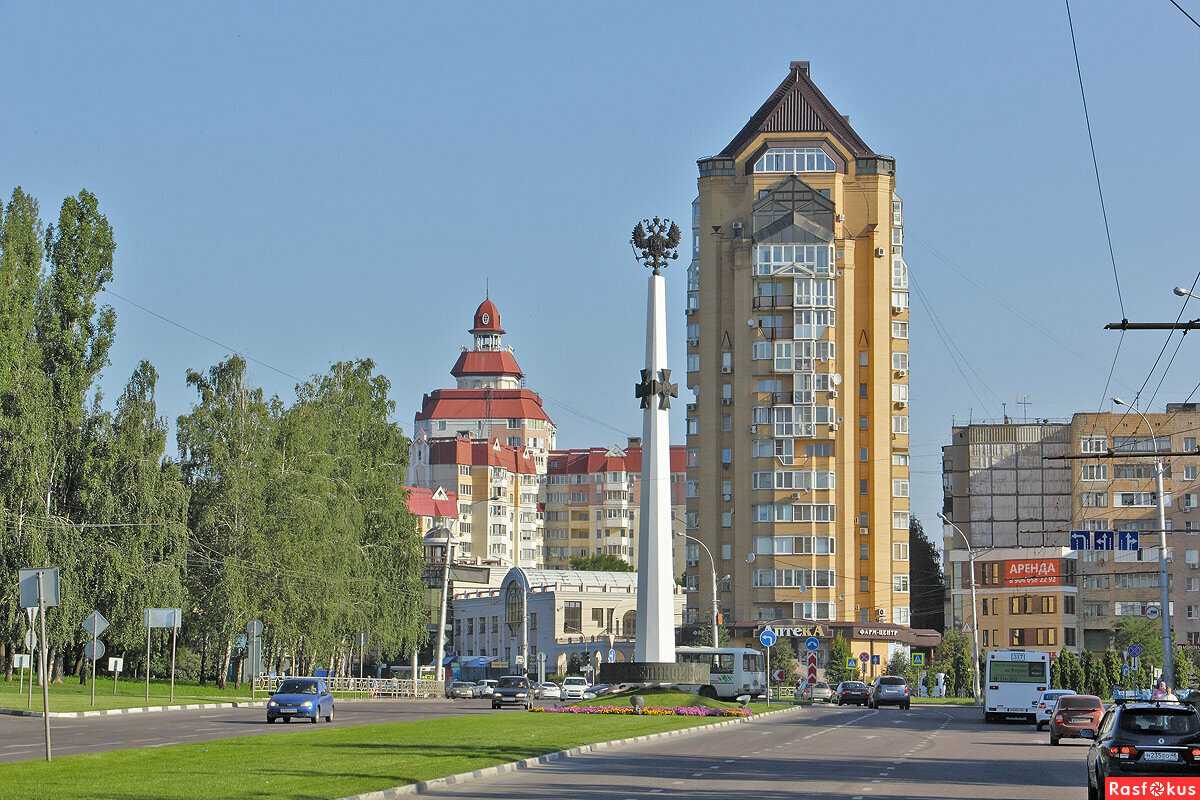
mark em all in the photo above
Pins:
pixel 890 690
pixel 460 690
pixel 485 688
pixel 548 691
pixel 821 693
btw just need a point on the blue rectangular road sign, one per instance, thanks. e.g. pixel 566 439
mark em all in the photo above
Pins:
pixel 874 659
pixel 1128 540
pixel 1103 540
pixel 1081 540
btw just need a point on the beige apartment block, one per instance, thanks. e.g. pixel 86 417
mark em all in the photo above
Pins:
pixel 1005 488
pixel 592 501
pixel 797 334
pixel 1009 487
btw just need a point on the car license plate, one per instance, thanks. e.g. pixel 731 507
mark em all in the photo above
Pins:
pixel 288 708
pixel 1155 755
pixel 1077 720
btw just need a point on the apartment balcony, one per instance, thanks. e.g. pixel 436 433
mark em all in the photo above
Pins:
pixel 773 301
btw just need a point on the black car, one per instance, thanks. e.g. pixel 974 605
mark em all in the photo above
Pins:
pixel 852 693
pixel 513 690
pixel 1144 740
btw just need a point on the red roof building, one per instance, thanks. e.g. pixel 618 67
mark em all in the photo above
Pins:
pixel 433 508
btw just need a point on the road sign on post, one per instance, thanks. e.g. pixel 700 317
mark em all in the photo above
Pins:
pixel 1103 540
pixel 1081 540
pixel 1128 540
pixel 812 644
pixel 1152 612
pixel 39 590
pixel 767 638
pixel 851 662
pixel 94 624
pixel 162 618
pixel 918 659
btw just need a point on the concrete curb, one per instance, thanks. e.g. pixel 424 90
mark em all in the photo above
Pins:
pixel 466 777
pixel 113 712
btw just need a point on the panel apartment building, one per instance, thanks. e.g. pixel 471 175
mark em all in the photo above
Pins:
pixel 991 470
pixel 797 342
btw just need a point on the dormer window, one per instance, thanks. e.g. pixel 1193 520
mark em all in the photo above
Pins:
pixel 795 159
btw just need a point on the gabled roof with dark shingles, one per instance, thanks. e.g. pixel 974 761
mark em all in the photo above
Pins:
pixel 798 106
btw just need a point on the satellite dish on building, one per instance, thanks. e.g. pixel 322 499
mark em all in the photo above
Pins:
pixel 750 558
pixel 836 379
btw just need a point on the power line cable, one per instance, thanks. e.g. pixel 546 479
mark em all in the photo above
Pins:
pixel 1183 11
pixel 205 337
pixel 1095 163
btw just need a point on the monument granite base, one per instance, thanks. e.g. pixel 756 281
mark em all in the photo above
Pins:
pixel 654 672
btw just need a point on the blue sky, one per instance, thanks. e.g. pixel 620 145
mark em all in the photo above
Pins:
pixel 313 182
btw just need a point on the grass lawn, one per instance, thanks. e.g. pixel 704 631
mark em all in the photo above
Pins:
pixel 71 696
pixel 670 698
pixel 324 763
pixel 944 701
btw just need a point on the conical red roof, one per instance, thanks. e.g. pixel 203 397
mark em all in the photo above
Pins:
pixel 487 318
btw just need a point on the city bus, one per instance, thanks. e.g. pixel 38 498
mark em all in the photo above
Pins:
pixel 1015 680
pixel 732 671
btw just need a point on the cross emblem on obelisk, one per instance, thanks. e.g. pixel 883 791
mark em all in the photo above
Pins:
pixel 661 386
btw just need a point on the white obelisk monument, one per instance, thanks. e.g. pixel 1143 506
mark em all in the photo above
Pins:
pixel 656 585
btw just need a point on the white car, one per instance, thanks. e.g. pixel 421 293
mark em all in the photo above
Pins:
pixel 574 687
pixel 549 691
pixel 1045 706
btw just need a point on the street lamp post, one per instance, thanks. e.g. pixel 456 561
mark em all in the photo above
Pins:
pixel 440 650
pixel 974 607
pixel 1164 588
pixel 713 564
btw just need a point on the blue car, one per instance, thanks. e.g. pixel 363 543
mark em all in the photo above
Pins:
pixel 301 697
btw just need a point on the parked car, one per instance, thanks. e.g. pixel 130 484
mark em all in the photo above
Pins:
pixel 573 687
pixel 595 690
pixel 1045 706
pixel 1143 739
pixel 852 693
pixel 821 693
pixel 549 691
pixel 485 688
pixel 513 690
pixel 301 697
pixel 460 690
pixel 890 690
pixel 1075 715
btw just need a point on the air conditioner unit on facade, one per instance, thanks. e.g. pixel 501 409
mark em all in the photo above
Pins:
pixel 754 429
pixel 897 309
pixel 864 531
pixel 839 217
pixel 879 252
pixel 727 497
pixel 689 311
pixel 833 392
pixel 901 403
pixel 833 426
pixel 726 401
pixel 901 373
pixel 726 370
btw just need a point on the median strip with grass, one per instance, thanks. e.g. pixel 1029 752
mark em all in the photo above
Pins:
pixel 74 696
pixel 333 762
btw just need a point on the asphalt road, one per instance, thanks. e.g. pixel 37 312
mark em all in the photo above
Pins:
pixel 819 753
pixel 21 737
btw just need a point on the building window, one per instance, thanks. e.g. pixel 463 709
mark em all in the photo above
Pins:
pixel 863 487
pixel 900 615
pixel 900 520
pixel 900 459
pixel 1189 472
pixel 795 159
pixel 693 362
pixel 726 519
pixel 899 551
pixel 899 330
pixel 863 423
pixel 899 392
pixel 726 455
pixel 900 424
pixel 864 454
pixel 864 552
pixel 726 552
pixel 899 273
pixel 796 259
pixel 900 583
pixel 573 616
pixel 1094 472
pixel 899 361
pixel 900 301
pixel 726 422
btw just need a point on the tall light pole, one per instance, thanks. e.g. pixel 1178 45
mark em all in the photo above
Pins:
pixel 974 607
pixel 715 641
pixel 1164 588
pixel 447 558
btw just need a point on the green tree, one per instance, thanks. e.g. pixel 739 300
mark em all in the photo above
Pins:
pixel 1069 672
pixel 703 636
pixel 1140 631
pixel 226 450
pixel 1185 670
pixel 1112 668
pixel 836 670
pixel 600 562
pixel 783 656
pixel 928 580
pixel 1095 676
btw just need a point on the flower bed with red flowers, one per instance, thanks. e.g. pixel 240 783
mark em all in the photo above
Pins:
pixel 648 711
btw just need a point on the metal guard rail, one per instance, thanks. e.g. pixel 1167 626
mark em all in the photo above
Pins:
pixel 367 687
